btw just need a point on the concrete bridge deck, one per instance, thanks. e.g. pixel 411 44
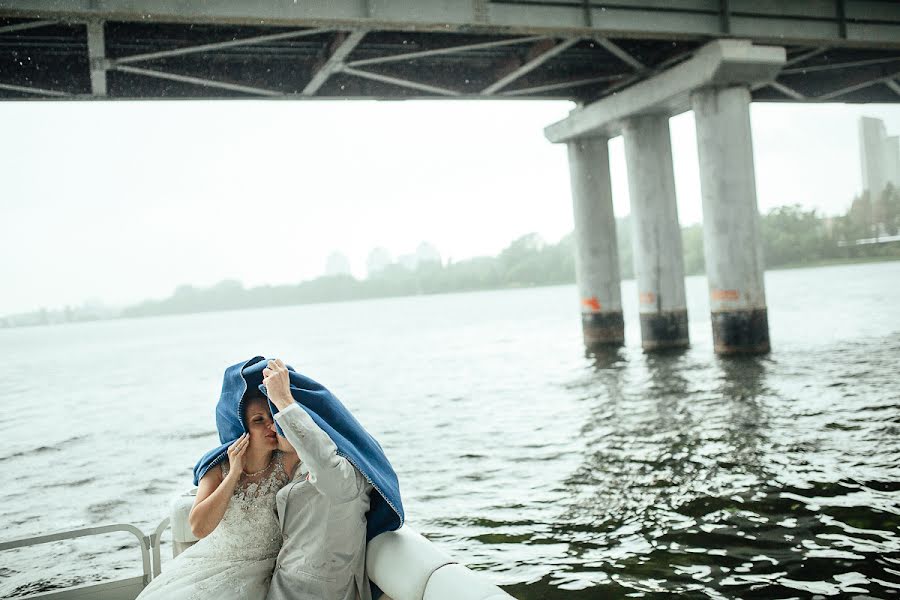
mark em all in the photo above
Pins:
pixel 837 50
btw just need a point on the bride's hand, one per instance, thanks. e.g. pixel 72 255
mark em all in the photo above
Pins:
pixel 236 453
pixel 278 384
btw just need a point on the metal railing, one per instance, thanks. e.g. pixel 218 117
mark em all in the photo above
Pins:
pixel 148 544
pixel 156 545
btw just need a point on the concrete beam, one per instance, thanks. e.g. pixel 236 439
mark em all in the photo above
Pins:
pixel 720 63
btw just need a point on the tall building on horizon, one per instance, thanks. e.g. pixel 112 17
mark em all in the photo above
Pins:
pixel 879 156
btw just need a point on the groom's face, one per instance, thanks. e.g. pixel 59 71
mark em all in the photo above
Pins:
pixel 260 425
pixel 283 444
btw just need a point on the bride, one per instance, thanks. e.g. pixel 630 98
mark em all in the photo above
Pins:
pixel 234 512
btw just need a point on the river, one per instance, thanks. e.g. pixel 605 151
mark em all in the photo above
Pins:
pixel 557 473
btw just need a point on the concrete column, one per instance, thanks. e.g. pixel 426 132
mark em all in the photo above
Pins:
pixel 731 239
pixel 658 256
pixel 596 253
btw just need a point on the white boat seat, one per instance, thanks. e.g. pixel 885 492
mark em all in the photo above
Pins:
pixel 405 565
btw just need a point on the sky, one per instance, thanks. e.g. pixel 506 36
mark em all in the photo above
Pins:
pixel 117 202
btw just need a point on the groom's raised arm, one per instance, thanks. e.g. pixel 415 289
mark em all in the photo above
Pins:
pixel 329 472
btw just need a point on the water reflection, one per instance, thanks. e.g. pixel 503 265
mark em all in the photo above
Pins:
pixel 682 489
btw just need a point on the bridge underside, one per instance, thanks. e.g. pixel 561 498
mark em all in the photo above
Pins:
pixel 53 58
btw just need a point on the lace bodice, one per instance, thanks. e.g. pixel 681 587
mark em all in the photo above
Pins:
pixel 249 528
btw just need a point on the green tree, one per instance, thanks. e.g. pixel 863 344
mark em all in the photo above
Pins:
pixel 692 247
pixel 792 235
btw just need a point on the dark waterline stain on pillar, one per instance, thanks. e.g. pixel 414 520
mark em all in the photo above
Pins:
pixel 664 329
pixel 741 331
pixel 603 329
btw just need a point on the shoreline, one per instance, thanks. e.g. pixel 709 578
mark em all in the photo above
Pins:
pixel 793 266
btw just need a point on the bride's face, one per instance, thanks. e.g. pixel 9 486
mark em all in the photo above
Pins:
pixel 259 425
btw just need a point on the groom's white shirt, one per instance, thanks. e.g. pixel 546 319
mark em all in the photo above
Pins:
pixel 323 519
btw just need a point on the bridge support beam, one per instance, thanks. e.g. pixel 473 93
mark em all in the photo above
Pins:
pixel 731 238
pixel 656 234
pixel 714 82
pixel 596 252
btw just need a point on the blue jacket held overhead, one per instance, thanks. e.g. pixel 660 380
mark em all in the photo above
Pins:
pixel 353 442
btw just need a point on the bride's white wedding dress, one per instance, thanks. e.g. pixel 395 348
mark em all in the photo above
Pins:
pixel 236 560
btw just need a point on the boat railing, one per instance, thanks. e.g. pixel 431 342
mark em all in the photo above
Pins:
pixel 403 563
pixel 156 544
pixel 120 588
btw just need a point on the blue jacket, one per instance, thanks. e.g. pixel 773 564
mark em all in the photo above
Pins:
pixel 353 442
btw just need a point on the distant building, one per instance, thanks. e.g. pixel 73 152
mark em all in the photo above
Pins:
pixel 425 253
pixel 337 264
pixel 379 259
pixel 879 157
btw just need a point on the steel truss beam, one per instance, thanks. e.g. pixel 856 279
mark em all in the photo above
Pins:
pixel 440 51
pixel 787 91
pixel 560 85
pixel 259 39
pixel 529 65
pixel 895 87
pixel 34 90
pixel 637 76
pixel 844 65
pixel 858 86
pixel 617 51
pixel 334 63
pixel 234 87
pixel 806 55
pixel 25 26
pixel 423 87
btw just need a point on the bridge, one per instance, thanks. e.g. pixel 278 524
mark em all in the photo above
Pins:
pixel 629 65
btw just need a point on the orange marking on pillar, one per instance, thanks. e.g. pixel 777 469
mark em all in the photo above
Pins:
pixel 647 298
pixel 592 303
pixel 720 295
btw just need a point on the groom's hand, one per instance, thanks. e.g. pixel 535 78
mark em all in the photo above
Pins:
pixel 278 384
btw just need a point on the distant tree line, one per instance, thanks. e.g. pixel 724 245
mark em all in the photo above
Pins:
pixel 791 236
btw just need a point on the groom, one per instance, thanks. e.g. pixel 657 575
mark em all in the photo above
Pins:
pixel 343 494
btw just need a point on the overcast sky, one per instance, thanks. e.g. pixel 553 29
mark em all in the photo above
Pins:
pixel 122 201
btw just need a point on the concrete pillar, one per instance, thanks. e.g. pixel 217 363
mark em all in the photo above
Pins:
pixel 596 252
pixel 658 256
pixel 731 239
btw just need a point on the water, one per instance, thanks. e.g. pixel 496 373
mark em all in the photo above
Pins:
pixel 558 474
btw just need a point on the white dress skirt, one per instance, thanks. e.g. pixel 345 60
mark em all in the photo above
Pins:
pixel 236 560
